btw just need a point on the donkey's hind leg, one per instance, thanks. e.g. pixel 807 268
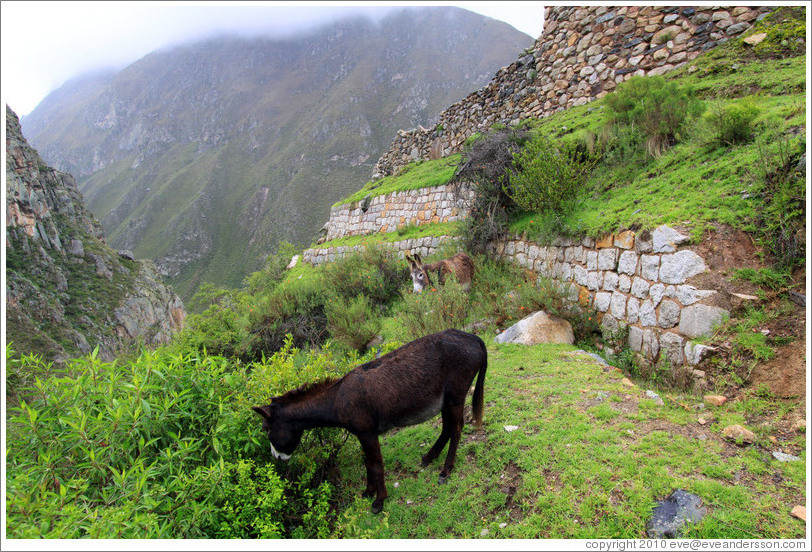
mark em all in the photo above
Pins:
pixel 454 420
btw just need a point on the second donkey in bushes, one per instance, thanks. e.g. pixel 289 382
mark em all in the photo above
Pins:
pixel 460 265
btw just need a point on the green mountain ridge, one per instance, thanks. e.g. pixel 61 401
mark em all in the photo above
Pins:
pixel 205 157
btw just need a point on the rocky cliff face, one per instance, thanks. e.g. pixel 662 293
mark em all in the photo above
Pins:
pixel 67 292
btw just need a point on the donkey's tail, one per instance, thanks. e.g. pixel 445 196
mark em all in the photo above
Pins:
pixel 478 399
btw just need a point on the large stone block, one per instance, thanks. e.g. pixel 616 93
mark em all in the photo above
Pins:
pixel 699 320
pixel 677 267
pixel 665 239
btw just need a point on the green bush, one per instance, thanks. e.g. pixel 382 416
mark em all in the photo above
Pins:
pixel 434 310
pixel 351 321
pixel 166 446
pixel 733 123
pixel 294 309
pixel 661 109
pixel 373 271
pixel 549 176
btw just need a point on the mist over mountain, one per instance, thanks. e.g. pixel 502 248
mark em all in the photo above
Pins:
pixel 204 157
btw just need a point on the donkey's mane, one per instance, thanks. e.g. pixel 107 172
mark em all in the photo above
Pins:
pixel 305 391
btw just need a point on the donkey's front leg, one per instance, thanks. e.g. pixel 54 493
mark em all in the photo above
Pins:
pixel 374 464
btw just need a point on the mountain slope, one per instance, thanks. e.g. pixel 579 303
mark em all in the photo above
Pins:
pixel 205 157
pixel 67 292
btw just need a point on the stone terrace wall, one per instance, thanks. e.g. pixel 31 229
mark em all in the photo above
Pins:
pixel 425 246
pixel 642 280
pixel 446 203
pixel 583 54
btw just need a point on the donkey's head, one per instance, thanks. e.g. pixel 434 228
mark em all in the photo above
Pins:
pixel 420 276
pixel 282 434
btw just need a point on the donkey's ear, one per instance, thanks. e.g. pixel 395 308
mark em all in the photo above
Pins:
pixel 409 258
pixel 264 411
pixel 418 260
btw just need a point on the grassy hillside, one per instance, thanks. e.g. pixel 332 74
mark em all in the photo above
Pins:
pixel 163 444
pixel 697 183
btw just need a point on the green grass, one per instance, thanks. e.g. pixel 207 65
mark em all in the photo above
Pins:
pixel 416 175
pixel 589 460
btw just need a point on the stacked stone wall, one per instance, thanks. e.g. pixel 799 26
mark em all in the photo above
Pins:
pixel 386 213
pixel 425 246
pixel 582 55
pixel 643 281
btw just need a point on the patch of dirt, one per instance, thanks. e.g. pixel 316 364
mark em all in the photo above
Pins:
pixel 725 250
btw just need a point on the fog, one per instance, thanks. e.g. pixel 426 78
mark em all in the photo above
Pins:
pixel 45 44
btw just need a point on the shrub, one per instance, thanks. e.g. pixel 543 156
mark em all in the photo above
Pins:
pixel 780 219
pixel 159 447
pixel 486 163
pixel 548 176
pixel 221 329
pixel 373 271
pixel 296 309
pixel 351 321
pixel 658 107
pixel 434 310
pixel 733 123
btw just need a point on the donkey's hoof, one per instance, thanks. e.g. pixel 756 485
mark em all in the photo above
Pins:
pixel 424 462
pixel 442 480
pixel 368 493
pixel 377 507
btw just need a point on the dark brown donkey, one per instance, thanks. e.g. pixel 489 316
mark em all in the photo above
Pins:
pixel 460 265
pixel 408 386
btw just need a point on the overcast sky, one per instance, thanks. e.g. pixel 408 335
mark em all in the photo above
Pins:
pixel 46 43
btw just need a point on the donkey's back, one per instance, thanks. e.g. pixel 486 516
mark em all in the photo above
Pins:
pixel 417 381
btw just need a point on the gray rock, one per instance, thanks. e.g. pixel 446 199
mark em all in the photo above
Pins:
pixel 655 397
pixel 669 314
pixel 699 320
pixel 694 352
pixel 650 267
pixel 627 263
pixel 671 515
pixel 603 300
pixel 76 247
pixel 671 347
pixel 678 267
pixel 783 457
pixel 539 327
pixel 665 239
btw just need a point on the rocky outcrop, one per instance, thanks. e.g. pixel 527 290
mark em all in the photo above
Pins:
pixel 67 292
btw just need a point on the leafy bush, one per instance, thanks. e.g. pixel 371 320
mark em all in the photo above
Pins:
pixel 295 309
pixel 221 329
pixel 661 109
pixel 351 321
pixel 166 446
pixel 733 123
pixel 372 271
pixel 780 220
pixel 434 310
pixel 548 176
